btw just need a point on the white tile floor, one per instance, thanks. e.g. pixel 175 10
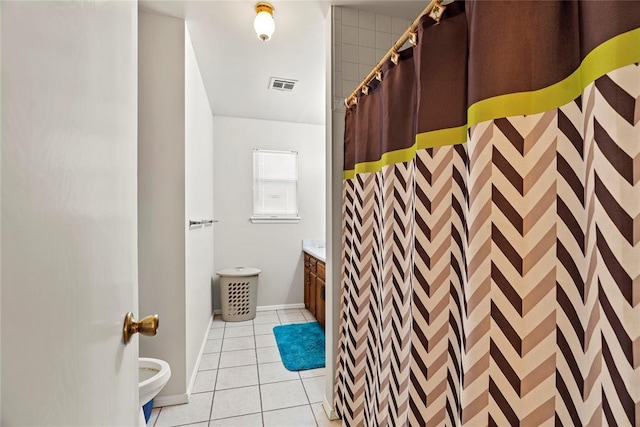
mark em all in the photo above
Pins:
pixel 241 381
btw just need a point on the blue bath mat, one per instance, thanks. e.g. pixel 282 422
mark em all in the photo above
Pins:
pixel 301 345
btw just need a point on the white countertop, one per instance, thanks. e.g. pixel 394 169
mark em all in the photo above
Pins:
pixel 315 248
pixel 319 253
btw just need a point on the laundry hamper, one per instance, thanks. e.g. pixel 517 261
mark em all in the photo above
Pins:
pixel 238 293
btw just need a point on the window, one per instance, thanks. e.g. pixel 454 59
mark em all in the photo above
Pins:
pixel 275 186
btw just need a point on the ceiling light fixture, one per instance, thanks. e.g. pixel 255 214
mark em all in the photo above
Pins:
pixel 263 23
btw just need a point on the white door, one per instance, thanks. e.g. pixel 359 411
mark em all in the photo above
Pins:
pixel 68 217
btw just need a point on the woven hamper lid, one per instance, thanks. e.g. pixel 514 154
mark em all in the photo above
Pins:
pixel 239 271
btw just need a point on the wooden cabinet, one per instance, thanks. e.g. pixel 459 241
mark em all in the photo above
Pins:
pixel 314 287
pixel 309 283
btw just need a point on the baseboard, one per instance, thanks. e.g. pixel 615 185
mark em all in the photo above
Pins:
pixel 180 399
pixel 173 399
pixel 279 307
pixel 329 411
pixel 269 307
pixel 194 373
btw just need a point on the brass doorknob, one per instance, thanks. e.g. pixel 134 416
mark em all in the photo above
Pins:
pixel 147 326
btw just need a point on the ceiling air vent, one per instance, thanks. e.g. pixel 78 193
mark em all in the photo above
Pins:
pixel 285 85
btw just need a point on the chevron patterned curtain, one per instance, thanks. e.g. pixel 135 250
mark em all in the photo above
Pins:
pixel 491 220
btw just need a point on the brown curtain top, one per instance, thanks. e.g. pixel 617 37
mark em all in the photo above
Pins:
pixel 486 60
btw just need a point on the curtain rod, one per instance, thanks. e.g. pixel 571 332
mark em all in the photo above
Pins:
pixel 409 32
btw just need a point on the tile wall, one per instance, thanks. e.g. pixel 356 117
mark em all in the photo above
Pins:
pixel 360 40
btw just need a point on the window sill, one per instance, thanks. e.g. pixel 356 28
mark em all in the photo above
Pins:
pixel 275 220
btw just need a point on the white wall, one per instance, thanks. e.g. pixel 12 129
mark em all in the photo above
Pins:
pixel 0 235
pixel 334 161
pixel 198 204
pixel 274 248
pixel 161 197
pixel 175 179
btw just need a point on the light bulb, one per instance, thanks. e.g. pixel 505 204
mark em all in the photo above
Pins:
pixel 264 25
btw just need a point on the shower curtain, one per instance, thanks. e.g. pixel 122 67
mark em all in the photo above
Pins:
pixel 491 220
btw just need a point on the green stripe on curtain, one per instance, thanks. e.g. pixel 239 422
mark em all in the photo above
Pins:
pixel 614 53
pixel 389 158
pixel 437 138
pixel 442 137
pixel 610 55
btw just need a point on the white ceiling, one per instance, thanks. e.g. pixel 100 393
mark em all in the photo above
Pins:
pixel 236 66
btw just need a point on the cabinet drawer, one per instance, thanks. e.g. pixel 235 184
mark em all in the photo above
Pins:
pixel 320 269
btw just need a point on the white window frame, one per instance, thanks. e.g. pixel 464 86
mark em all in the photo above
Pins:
pixel 264 218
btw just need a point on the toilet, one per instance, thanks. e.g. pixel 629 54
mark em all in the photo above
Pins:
pixel 153 376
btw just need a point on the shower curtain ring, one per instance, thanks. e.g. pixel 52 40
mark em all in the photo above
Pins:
pixel 395 58
pixel 437 12
pixel 413 38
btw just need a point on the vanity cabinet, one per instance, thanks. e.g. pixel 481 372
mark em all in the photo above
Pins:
pixel 314 287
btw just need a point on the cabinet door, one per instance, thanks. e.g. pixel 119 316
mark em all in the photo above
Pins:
pixel 320 288
pixel 312 292
pixel 307 301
